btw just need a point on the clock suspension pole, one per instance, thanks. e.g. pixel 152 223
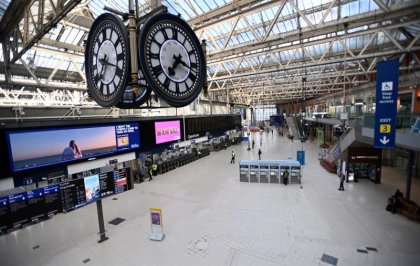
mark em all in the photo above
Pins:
pixel 133 47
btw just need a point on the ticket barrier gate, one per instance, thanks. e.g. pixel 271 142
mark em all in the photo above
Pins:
pixel 244 173
pixel 274 174
pixel 254 173
pixel 264 173
pixel 269 171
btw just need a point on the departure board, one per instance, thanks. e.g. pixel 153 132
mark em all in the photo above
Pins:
pixel 120 179
pixel 4 214
pixel 18 209
pixel 52 200
pixel 36 204
pixel 106 183
pixel 72 194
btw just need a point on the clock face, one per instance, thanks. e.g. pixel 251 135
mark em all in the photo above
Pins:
pixel 172 59
pixel 132 100
pixel 106 60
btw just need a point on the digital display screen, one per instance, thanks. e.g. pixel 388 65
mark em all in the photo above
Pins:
pixel 52 200
pixel 167 131
pixel 4 213
pixel 18 209
pixel 36 148
pixel 92 191
pixel 120 180
pixel 36 204
pixel 72 194
pixel 106 184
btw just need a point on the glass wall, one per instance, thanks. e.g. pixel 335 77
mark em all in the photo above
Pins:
pixel 263 112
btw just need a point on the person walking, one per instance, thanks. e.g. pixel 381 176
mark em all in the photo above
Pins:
pixel 233 157
pixel 150 174
pixel 253 143
pixel 259 154
pixel 342 178
pixel 285 177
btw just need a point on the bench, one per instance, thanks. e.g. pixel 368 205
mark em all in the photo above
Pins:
pixel 408 208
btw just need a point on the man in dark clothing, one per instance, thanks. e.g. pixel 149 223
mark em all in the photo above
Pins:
pixel 253 143
pixel 341 182
pixel 259 154
pixel 233 157
pixel 285 177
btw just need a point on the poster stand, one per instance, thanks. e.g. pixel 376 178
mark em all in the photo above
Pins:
pixel 156 224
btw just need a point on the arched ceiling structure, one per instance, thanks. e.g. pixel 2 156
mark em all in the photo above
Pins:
pixel 258 52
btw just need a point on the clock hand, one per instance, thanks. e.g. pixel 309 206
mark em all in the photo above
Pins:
pixel 178 59
pixel 106 63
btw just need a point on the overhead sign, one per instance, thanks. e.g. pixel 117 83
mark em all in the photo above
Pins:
pixel 386 103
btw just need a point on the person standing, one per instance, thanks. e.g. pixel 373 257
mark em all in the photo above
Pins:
pixel 154 169
pixel 259 154
pixel 342 178
pixel 253 143
pixel 150 173
pixel 233 157
pixel 285 177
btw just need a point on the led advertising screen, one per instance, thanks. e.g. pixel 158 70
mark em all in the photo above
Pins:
pixel 4 214
pixel 36 148
pixel 92 191
pixel 167 131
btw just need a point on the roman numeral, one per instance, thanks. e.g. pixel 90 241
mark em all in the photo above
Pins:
pixel 166 83
pixel 177 87
pixel 120 56
pixel 119 72
pixel 165 34
pixel 157 70
pixel 174 34
pixel 192 76
pixel 154 56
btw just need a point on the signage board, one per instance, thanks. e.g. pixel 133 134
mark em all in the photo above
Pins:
pixel 156 224
pixel 386 103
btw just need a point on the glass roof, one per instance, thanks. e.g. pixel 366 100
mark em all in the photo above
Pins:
pixel 267 21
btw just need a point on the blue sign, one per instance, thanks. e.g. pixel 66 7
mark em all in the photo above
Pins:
pixel 386 103
pixel 300 157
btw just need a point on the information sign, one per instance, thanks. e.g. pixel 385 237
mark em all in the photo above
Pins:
pixel 386 103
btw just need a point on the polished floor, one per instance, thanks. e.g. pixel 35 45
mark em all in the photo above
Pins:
pixel 210 218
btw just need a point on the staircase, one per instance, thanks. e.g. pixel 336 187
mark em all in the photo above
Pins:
pixel 294 127
pixel 342 143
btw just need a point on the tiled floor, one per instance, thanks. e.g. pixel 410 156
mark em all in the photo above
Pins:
pixel 210 218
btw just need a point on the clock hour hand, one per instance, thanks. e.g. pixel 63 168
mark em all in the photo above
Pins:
pixel 178 60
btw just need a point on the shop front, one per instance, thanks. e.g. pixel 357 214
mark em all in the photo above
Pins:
pixel 364 163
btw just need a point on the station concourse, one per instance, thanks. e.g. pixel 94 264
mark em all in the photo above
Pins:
pixel 210 218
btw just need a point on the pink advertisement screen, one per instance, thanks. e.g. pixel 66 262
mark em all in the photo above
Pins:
pixel 167 131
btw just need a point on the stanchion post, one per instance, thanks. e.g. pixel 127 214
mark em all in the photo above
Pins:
pixel 102 236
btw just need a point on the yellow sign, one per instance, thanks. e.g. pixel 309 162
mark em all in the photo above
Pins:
pixel 385 128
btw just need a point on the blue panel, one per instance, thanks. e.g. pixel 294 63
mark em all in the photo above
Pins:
pixel 386 103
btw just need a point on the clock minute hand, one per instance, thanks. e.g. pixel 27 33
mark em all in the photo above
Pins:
pixel 106 63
